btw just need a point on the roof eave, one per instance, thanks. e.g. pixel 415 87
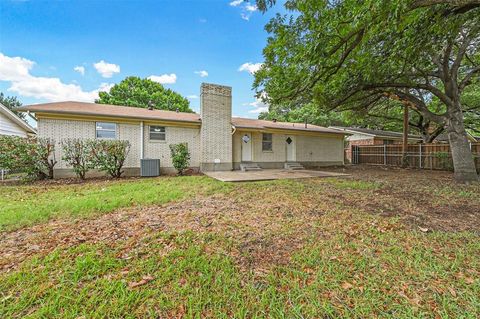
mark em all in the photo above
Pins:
pixel 33 110
pixel 12 116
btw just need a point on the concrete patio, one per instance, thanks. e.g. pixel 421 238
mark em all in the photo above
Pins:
pixel 269 174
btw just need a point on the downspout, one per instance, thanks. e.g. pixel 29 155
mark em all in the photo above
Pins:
pixel 141 140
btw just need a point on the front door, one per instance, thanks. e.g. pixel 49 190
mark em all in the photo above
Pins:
pixel 247 147
pixel 290 145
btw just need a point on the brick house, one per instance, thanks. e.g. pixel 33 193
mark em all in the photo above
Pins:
pixel 365 136
pixel 216 140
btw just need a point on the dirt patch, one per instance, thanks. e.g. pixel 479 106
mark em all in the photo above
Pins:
pixel 267 222
pixel 420 198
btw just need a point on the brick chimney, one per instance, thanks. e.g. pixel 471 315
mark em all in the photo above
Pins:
pixel 215 134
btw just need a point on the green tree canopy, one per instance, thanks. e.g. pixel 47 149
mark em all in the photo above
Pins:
pixel 12 103
pixel 137 92
pixel 356 55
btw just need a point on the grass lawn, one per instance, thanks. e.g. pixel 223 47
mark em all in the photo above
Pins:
pixel 395 244
pixel 27 205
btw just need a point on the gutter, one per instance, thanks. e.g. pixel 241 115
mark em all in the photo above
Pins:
pixel 109 115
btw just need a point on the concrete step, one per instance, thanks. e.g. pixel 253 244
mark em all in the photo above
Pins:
pixel 250 167
pixel 293 166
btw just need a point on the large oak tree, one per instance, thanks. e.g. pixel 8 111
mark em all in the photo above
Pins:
pixel 137 92
pixel 352 54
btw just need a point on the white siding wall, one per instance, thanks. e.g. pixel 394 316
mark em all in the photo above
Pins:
pixel 8 127
pixel 173 135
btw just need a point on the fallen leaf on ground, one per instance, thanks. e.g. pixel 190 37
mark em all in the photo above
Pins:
pixel 346 285
pixel 143 281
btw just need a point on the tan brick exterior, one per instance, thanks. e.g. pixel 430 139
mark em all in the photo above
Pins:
pixel 310 150
pixel 67 129
pixel 215 133
pixel 212 145
pixel 174 135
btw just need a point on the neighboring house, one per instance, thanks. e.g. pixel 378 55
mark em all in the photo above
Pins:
pixel 365 136
pixel 12 125
pixel 215 140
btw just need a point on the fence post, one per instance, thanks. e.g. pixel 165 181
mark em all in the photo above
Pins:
pixel 420 154
pixel 385 154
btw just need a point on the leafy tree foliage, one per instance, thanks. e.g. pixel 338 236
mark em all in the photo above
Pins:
pixel 137 92
pixel 109 156
pixel 358 55
pixel 12 103
pixel 180 157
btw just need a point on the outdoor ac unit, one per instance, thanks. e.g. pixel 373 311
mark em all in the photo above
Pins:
pixel 149 167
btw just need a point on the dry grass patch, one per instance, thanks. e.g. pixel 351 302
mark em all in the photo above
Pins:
pixel 291 248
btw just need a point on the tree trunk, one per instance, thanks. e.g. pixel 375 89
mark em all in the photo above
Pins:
pixel 405 136
pixel 464 166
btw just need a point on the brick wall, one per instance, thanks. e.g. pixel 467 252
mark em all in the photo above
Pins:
pixel 215 133
pixel 173 135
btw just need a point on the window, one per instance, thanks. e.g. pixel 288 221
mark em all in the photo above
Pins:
pixel 106 130
pixel 157 133
pixel 267 142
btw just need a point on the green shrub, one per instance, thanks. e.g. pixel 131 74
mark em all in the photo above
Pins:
pixel 109 155
pixel 180 157
pixel 35 157
pixel 77 153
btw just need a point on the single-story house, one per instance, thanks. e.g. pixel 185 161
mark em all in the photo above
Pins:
pixel 12 125
pixel 366 136
pixel 216 140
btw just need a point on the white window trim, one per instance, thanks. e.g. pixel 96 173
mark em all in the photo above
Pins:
pixel 271 141
pixel 157 141
pixel 106 138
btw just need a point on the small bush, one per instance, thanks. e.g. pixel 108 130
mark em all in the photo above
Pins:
pixel 77 153
pixel 35 157
pixel 180 157
pixel 109 156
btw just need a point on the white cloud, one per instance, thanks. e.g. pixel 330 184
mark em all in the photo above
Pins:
pixel 258 106
pixel 192 97
pixel 236 3
pixel 164 78
pixel 247 9
pixel 16 70
pixel 202 20
pixel 202 73
pixel 250 67
pixel 79 69
pixel 105 69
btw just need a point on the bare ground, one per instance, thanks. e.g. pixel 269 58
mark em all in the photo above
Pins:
pixel 268 221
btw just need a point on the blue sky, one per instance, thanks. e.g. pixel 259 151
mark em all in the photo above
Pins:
pixel 68 50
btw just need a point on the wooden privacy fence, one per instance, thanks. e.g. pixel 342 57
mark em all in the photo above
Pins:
pixel 427 156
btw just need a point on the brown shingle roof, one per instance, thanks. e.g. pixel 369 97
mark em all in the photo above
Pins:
pixel 262 124
pixel 94 109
